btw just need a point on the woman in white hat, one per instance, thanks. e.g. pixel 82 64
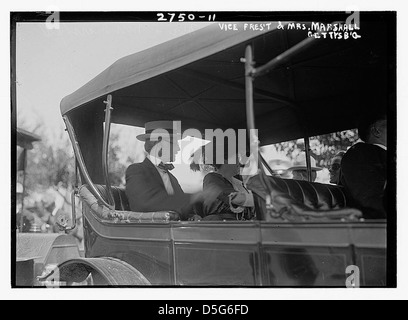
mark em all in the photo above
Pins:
pixel 299 168
pixel 227 196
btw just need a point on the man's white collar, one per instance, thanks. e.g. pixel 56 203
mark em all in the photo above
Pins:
pixel 374 144
pixel 381 146
pixel 154 160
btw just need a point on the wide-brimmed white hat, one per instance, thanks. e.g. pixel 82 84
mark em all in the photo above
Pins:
pixel 300 163
pixel 157 129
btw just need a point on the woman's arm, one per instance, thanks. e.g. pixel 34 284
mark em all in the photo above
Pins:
pixel 244 199
pixel 224 199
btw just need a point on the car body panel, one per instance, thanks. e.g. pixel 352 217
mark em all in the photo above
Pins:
pixel 248 253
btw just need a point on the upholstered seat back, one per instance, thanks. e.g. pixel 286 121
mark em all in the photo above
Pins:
pixel 315 196
pixel 119 195
pixel 122 212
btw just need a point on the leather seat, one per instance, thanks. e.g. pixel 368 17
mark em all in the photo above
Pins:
pixel 122 212
pixel 315 196
pixel 119 195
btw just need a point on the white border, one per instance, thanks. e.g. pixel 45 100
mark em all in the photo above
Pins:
pixel 206 294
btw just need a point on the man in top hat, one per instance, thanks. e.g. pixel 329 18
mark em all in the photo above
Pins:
pixel 149 185
pixel 299 168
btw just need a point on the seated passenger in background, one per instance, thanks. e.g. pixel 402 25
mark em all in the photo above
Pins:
pixel 334 168
pixel 280 168
pixel 299 168
pixel 364 168
pixel 230 199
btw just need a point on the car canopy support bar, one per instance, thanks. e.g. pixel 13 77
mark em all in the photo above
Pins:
pixel 105 169
pixel 81 163
pixel 308 162
pixel 253 137
pixel 283 57
pixel 252 73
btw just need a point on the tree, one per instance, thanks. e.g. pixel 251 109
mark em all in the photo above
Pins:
pixel 51 164
pixel 117 168
pixel 323 147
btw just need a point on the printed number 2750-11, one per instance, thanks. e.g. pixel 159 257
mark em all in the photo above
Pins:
pixel 181 17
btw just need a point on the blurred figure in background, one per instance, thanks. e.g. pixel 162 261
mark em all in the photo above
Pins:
pixel 334 168
pixel 280 168
pixel 299 168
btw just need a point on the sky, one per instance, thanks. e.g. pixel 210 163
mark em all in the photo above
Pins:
pixel 68 57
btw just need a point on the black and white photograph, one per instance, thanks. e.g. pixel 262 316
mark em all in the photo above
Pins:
pixel 203 150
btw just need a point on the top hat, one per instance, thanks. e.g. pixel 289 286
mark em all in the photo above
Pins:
pixel 157 129
pixel 300 163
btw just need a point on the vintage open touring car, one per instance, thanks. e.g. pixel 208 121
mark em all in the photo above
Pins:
pixel 279 81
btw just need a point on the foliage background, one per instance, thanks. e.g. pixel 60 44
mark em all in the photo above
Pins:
pixel 323 147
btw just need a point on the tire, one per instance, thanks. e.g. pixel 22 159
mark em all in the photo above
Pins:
pixel 95 272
